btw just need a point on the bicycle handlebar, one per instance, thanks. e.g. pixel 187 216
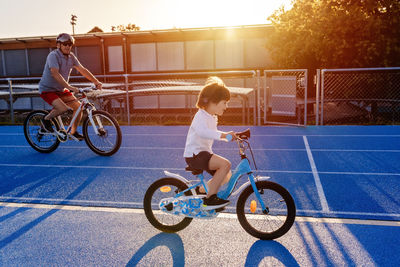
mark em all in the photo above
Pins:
pixel 87 89
pixel 239 135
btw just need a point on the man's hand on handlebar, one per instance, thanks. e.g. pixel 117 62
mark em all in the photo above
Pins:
pixel 73 89
pixel 98 85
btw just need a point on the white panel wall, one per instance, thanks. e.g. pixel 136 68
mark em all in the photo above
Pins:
pixel 200 55
pixel 256 55
pixel 143 57
pixel 115 59
pixel 229 54
pixel 171 56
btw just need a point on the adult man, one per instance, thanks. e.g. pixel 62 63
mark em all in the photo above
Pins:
pixel 54 87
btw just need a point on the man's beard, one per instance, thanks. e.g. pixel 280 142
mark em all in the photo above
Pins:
pixel 65 54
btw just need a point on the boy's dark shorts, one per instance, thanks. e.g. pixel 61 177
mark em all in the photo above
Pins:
pixel 200 162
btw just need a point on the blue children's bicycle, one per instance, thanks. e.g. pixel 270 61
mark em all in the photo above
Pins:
pixel 265 209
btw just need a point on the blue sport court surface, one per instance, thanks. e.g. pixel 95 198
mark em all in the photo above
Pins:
pixel 344 172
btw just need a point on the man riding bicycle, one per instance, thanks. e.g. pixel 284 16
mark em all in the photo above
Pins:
pixel 54 87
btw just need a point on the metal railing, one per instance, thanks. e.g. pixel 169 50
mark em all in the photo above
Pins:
pixel 132 89
pixel 343 96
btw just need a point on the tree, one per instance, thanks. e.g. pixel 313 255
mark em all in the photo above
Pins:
pixel 125 28
pixel 95 29
pixel 336 34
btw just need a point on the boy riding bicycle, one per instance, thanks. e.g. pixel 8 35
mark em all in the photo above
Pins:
pixel 212 102
pixel 54 87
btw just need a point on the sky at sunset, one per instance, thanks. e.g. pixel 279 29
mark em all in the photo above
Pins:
pixel 23 18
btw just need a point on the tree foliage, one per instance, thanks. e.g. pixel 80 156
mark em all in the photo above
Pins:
pixel 336 34
pixel 125 28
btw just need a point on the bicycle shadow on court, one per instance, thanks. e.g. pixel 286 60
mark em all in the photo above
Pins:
pixel 273 250
pixel 172 241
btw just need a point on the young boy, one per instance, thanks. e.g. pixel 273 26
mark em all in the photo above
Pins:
pixel 212 102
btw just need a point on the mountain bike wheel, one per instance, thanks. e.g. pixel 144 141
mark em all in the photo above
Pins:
pixel 108 138
pixel 269 224
pixel 42 142
pixel 164 188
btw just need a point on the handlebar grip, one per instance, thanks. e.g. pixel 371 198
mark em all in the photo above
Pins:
pixel 229 137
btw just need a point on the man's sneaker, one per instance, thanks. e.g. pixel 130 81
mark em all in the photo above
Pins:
pixel 46 126
pixel 78 136
pixel 214 202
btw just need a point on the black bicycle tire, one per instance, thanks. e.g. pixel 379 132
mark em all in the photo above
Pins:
pixel 291 210
pixel 28 139
pixel 89 142
pixel 149 211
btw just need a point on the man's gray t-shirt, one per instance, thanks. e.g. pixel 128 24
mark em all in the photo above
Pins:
pixel 64 64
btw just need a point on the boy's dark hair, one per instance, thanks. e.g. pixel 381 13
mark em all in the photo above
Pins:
pixel 214 91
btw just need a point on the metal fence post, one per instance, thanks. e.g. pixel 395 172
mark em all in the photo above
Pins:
pixel 305 96
pixel 127 98
pixel 322 96
pixel 317 96
pixel 11 100
pixel 258 99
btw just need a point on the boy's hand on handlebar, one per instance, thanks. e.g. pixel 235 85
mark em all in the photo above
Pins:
pixel 232 135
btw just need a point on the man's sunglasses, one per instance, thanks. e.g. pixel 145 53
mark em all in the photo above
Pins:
pixel 67 43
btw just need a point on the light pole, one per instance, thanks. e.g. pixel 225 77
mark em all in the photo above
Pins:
pixel 73 23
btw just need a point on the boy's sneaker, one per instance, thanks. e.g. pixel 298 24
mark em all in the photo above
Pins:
pixel 78 136
pixel 46 126
pixel 214 202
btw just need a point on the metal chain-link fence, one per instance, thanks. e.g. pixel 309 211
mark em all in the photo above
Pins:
pixel 284 98
pixel 146 99
pixel 170 99
pixel 360 96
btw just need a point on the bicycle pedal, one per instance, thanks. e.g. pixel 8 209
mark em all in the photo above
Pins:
pixel 220 209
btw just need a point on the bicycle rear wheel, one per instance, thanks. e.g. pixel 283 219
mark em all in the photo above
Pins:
pixel 108 138
pixel 161 189
pixel 40 141
pixel 270 224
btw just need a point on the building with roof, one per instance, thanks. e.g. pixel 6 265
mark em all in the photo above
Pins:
pixel 175 50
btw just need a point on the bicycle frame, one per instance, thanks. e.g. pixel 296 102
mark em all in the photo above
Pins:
pixel 85 105
pixel 241 169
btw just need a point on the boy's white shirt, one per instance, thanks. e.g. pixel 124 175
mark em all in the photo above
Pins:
pixel 202 133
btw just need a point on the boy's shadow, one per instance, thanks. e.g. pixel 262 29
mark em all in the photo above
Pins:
pixel 172 241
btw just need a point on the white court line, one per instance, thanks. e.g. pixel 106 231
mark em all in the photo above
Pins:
pixel 181 169
pixel 257 135
pixel 320 190
pixel 225 149
pixel 98 203
pixel 64 201
pixel 221 215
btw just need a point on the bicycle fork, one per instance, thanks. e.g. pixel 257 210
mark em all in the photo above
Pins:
pixel 93 122
pixel 264 208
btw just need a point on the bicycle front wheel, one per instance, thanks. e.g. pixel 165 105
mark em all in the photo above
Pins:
pixel 38 139
pixel 102 133
pixel 273 222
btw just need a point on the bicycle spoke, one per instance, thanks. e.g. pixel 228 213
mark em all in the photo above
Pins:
pixel 272 221
pixel 41 141
pixel 106 139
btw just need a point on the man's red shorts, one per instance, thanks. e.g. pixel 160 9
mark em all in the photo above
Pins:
pixel 49 97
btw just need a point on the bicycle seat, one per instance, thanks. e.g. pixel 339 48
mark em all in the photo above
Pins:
pixel 194 171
